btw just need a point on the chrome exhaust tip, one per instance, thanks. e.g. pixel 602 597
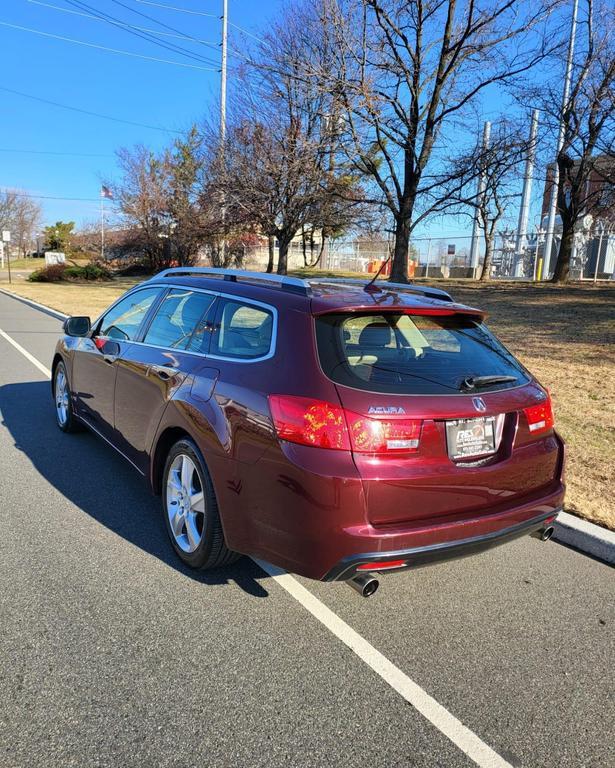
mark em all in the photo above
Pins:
pixel 547 533
pixel 544 534
pixel 366 584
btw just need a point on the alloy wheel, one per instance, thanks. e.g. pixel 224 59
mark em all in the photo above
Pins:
pixel 61 396
pixel 185 503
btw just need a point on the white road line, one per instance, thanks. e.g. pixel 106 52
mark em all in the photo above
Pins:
pixel 26 354
pixel 467 741
pixel 454 730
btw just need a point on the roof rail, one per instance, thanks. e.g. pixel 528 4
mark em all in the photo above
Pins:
pixel 432 293
pixel 292 284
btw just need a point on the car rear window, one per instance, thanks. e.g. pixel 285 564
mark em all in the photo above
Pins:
pixel 412 354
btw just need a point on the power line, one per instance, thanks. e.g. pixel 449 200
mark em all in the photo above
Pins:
pixel 49 152
pixel 51 197
pixel 123 24
pixel 160 23
pixel 105 48
pixel 173 8
pixel 88 112
pixel 173 47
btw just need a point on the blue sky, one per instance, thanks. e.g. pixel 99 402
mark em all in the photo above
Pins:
pixel 120 86
pixel 124 87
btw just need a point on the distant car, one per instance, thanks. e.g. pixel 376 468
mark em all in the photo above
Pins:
pixel 330 427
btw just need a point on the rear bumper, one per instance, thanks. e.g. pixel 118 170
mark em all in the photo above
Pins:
pixel 433 553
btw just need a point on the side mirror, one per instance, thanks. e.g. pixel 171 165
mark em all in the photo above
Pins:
pixel 76 326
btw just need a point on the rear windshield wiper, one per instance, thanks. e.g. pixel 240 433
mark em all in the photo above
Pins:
pixel 477 382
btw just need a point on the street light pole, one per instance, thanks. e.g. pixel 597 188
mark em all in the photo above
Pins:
pixel 560 141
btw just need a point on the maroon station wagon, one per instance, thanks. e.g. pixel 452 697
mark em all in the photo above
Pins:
pixel 335 428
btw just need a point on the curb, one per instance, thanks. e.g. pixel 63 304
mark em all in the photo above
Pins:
pixel 587 537
pixel 573 531
pixel 35 304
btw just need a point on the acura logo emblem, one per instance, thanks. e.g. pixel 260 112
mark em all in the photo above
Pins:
pixel 479 404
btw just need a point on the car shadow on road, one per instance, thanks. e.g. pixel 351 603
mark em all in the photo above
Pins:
pixel 93 477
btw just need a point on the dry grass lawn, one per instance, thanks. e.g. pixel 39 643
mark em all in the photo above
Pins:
pixel 565 336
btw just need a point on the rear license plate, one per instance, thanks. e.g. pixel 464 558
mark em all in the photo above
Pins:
pixel 470 437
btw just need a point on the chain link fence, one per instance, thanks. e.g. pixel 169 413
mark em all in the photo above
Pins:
pixel 457 257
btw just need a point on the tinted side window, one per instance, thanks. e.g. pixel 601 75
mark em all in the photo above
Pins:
pixel 243 331
pixel 122 322
pixel 179 320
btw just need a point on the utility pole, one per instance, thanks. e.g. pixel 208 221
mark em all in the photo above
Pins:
pixel 223 111
pixel 480 189
pixel 560 142
pixel 524 211
pixel 223 72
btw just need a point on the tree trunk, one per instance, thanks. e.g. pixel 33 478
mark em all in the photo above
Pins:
pixel 283 255
pixel 486 272
pixel 271 245
pixel 399 268
pixel 561 273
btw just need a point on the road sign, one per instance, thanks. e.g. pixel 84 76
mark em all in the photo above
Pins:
pixel 6 236
pixel 451 249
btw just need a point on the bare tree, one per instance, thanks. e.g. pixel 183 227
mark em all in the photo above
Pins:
pixel 408 75
pixel 161 200
pixel 21 215
pixel 586 161
pixel 280 156
pixel 499 168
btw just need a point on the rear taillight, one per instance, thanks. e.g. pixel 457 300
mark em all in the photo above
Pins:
pixel 309 422
pixel 540 417
pixel 324 425
pixel 382 436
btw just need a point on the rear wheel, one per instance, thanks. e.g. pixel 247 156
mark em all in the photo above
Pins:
pixel 65 417
pixel 191 509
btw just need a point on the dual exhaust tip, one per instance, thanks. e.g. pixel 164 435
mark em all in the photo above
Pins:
pixel 366 584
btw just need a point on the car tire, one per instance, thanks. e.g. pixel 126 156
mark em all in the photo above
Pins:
pixel 65 416
pixel 191 511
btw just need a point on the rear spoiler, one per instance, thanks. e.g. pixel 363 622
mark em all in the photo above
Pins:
pixel 443 311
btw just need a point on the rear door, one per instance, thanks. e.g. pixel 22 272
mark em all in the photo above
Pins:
pixel 452 445
pixel 170 351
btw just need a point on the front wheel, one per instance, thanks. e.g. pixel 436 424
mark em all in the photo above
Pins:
pixel 65 416
pixel 191 509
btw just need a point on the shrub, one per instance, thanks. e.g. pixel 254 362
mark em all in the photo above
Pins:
pixel 51 274
pixel 91 271
pixel 57 272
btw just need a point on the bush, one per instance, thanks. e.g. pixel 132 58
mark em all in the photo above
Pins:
pixel 91 271
pixel 57 272
pixel 51 274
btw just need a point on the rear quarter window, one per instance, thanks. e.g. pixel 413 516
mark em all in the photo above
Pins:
pixel 412 354
pixel 243 331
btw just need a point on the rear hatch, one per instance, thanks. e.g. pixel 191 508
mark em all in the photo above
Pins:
pixel 444 422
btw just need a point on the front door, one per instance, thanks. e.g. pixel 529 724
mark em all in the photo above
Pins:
pixel 95 359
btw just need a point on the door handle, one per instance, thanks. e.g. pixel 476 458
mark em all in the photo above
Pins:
pixel 164 372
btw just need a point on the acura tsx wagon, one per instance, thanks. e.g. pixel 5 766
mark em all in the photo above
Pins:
pixel 331 427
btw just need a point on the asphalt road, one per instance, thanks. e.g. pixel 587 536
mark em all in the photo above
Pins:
pixel 113 654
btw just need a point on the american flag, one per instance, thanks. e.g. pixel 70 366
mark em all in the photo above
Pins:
pixel 106 192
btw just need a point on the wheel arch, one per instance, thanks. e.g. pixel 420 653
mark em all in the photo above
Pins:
pixel 57 358
pixel 166 440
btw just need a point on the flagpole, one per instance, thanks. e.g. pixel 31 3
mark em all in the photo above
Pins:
pixel 102 225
